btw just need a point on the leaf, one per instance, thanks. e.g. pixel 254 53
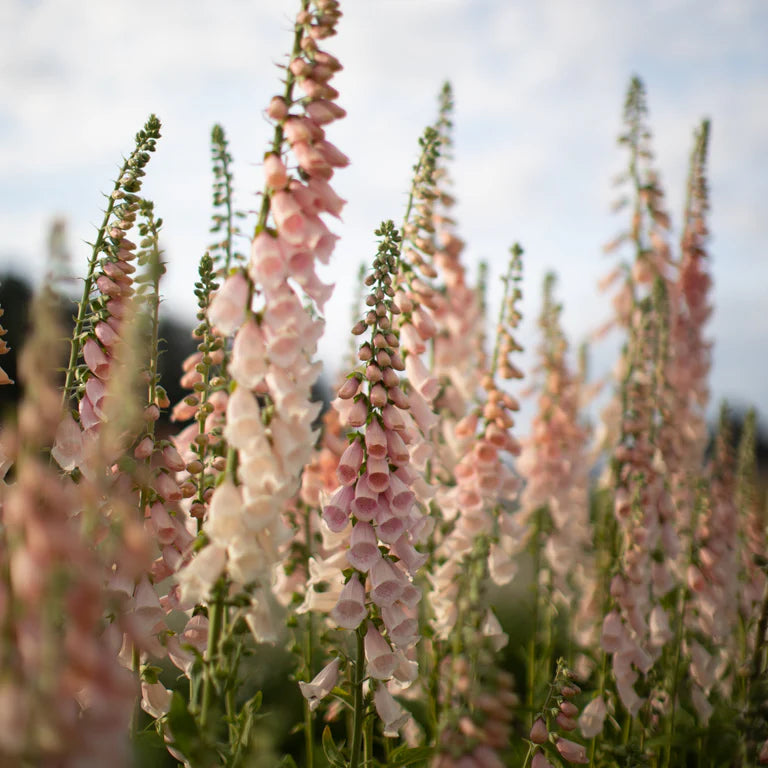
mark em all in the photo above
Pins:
pixel 186 734
pixel 332 752
pixel 410 756
pixel 182 725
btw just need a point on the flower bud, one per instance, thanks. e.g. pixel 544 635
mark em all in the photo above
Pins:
pixel 539 733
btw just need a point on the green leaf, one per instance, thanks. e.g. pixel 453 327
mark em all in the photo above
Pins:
pixel 332 752
pixel 410 756
pixel 186 735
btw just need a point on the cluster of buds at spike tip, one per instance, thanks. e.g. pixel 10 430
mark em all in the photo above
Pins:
pixel 415 296
pixel 200 443
pixel 558 715
pixel 106 303
pixel 224 216
pixel 296 201
pixel 458 346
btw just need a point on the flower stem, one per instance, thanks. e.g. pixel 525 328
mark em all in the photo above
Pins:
pixel 214 633
pixel 357 693
pixel 309 741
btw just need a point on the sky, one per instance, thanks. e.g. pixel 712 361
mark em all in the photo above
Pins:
pixel 539 88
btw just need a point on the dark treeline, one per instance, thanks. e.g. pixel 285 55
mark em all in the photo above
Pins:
pixel 15 299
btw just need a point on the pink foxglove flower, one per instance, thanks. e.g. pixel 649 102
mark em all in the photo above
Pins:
pixel 227 309
pixel 381 660
pixel 386 584
pixel 322 684
pixel 593 717
pixel 68 444
pixel 336 511
pixel 540 761
pixel 350 608
pixel 248 365
pixel 199 576
pixel 391 713
pixel 363 549
pixel 571 751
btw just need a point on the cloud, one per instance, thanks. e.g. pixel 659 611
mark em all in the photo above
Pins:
pixel 539 90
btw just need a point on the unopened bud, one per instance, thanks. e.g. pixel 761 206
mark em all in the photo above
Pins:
pixel 539 733
pixel 349 388
pixel 277 109
pixel 378 396
pixel 390 378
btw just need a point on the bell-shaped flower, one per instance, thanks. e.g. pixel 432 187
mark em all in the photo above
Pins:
pixel 244 429
pixel 380 658
pixel 350 608
pixel 420 377
pixel 322 684
pixel 227 308
pixel 225 516
pixel 98 363
pixel 386 583
pixel 491 628
pixel 406 554
pixel 377 472
pixel 389 526
pixel 376 440
pixel 68 444
pixel 248 364
pixel 350 463
pixel 593 717
pixel 267 266
pixel 401 496
pixel 363 550
pixel 397 450
pixel 366 501
pixel 392 714
pixel 336 511
pixel 402 629
pixel 197 578
pixel 571 751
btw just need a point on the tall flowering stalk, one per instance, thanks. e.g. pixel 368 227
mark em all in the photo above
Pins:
pixel 269 413
pixel 555 501
pixel 477 543
pixel 109 271
pixel 64 696
pixel 374 507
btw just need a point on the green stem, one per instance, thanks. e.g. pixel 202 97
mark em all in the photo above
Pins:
pixel 368 742
pixel 529 695
pixel 212 652
pixel 309 740
pixel 357 693
pixel 135 666
pixel 601 694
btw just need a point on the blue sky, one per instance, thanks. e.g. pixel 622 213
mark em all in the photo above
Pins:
pixel 539 89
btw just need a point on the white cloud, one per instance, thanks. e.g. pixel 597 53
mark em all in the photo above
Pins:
pixel 539 90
